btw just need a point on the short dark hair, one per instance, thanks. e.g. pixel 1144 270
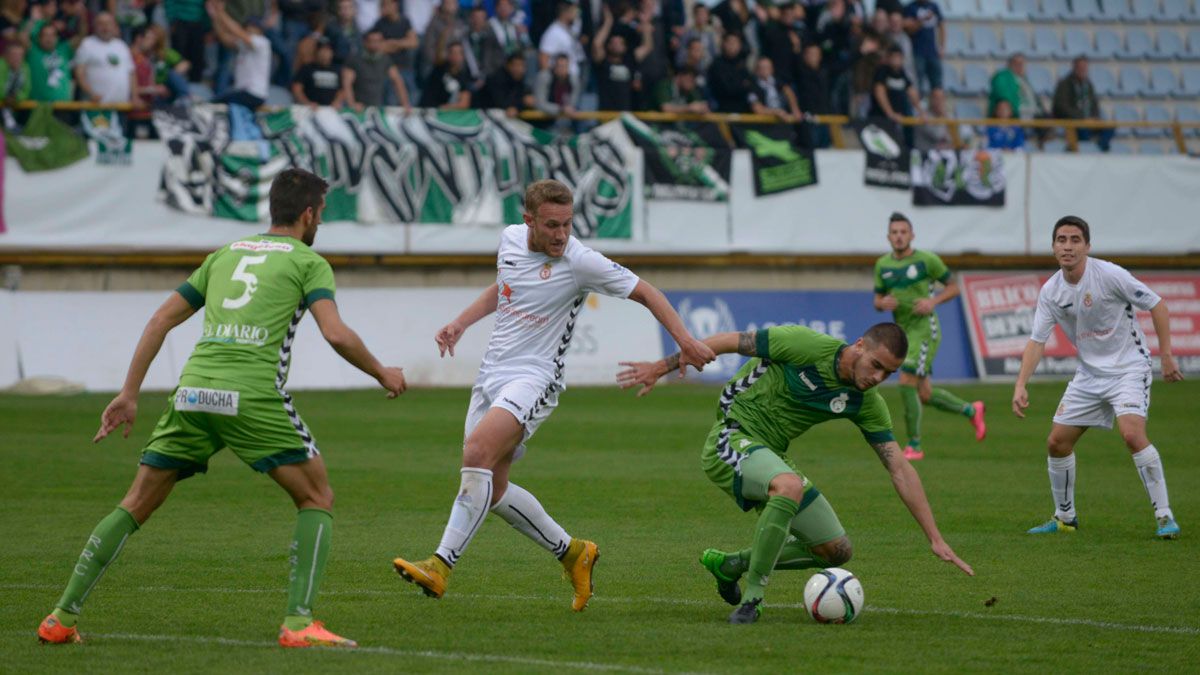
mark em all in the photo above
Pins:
pixel 899 217
pixel 293 192
pixel 890 335
pixel 1072 221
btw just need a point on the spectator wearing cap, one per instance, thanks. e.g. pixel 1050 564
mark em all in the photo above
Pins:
pixel 506 88
pixel 449 84
pixel 252 62
pixel 728 78
pixel 893 95
pixel 366 76
pixel 923 21
pixel 770 96
pixel 555 90
pixel 1075 99
pixel 686 96
pixel 49 61
pixel 104 64
pixel 319 83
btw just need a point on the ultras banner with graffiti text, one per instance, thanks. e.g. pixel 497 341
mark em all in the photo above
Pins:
pixel 684 160
pixel 999 309
pixel 385 166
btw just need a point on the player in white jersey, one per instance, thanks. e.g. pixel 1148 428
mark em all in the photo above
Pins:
pixel 1094 301
pixel 543 276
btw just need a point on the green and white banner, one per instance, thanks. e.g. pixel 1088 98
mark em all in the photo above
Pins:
pixel 387 167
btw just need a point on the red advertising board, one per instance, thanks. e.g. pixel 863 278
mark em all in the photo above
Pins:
pixel 999 311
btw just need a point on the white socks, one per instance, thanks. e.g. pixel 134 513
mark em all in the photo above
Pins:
pixel 1149 467
pixel 470 508
pixel 1062 485
pixel 522 510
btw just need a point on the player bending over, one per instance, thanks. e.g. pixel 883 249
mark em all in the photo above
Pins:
pixel 254 293
pixel 796 378
pixel 543 276
pixel 1093 301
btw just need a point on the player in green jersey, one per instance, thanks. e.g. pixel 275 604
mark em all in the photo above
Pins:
pixel 254 293
pixel 797 378
pixel 904 286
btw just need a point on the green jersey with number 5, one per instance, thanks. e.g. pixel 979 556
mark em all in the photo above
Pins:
pixel 254 293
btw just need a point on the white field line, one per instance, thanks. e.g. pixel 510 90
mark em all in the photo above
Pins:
pixel 984 616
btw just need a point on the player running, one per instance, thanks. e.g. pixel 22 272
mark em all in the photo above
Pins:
pixel 797 378
pixel 255 291
pixel 1093 301
pixel 904 286
pixel 543 276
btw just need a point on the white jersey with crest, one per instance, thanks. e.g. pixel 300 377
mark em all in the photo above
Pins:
pixel 1098 316
pixel 540 298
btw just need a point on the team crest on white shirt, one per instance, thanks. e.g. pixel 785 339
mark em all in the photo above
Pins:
pixel 506 291
pixel 1087 299
pixel 545 272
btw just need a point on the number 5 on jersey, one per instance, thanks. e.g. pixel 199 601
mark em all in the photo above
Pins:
pixel 251 281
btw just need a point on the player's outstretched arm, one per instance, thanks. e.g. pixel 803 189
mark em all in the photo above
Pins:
pixel 1029 360
pixel 484 305
pixel 692 352
pixel 1162 327
pixel 647 373
pixel 350 346
pixel 123 409
pixel 908 485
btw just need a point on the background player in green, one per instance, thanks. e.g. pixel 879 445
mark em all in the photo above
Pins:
pixel 796 379
pixel 904 286
pixel 255 291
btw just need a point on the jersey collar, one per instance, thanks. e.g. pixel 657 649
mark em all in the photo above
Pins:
pixel 837 358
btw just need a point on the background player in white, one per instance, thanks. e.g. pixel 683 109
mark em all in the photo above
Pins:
pixel 1094 300
pixel 543 276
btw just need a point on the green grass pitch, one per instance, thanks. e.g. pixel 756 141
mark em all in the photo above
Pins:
pixel 200 587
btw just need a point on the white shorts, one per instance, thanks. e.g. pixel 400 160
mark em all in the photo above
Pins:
pixel 1094 400
pixel 529 398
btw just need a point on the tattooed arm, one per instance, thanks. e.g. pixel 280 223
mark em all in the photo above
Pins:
pixel 908 485
pixel 646 373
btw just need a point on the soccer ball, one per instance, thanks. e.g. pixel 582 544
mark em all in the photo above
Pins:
pixel 833 595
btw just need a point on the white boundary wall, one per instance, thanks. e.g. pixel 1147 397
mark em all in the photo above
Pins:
pixel 89 338
pixel 1143 205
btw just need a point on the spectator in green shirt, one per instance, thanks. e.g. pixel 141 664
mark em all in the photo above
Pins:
pixel 14 74
pixel 49 63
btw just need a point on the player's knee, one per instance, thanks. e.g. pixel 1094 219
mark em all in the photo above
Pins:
pixel 1058 447
pixel 786 485
pixel 1135 440
pixel 835 553
pixel 478 454
pixel 141 506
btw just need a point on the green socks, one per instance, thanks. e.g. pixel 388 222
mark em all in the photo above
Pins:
pixel 308 554
pixel 769 536
pixel 794 556
pixel 912 414
pixel 102 547
pixel 944 400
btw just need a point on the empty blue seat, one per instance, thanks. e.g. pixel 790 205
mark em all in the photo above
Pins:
pixel 1047 43
pixel 956 40
pixel 996 9
pixel 1103 80
pixel 1172 11
pixel 1113 11
pixel 1189 114
pixel 984 43
pixel 1138 44
pixel 1193 44
pixel 968 110
pixel 1077 42
pixel 1143 10
pixel 1163 82
pixel 1108 44
pixel 1040 78
pixel 1120 148
pixel 1021 10
pixel 1016 40
pixel 1191 81
pixel 1154 113
pixel 1051 10
pixel 1152 148
pixel 1084 10
pixel 1169 45
pixel 1055 145
pixel 1131 82
pixel 976 80
pixel 959 9
pixel 1124 112
pixel 951 78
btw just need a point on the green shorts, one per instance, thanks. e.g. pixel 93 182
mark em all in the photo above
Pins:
pixel 924 337
pixel 743 467
pixel 260 426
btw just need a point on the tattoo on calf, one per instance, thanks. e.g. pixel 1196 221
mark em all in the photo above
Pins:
pixel 747 343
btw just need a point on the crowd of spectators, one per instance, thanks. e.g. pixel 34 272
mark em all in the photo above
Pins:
pixel 789 59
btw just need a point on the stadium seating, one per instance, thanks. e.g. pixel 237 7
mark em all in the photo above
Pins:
pixel 1047 44
pixel 1124 112
pixel 977 79
pixel 1191 81
pixel 1193 44
pixel 1078 42
pixel 1163 82
pixel 1113 11
pixel 1108 44
pixel 1143 10
pixel 1016 39
pixel 957 43
pixel 984 43
pixel 1041 77
pixel 1172 11
pixel 1168 46
pixel 1138 45
pixel 1051 10
pixel 1083 10
pixel 959 9
pixel 1103 79
pixel 1189 114
pixel 1131 83
pixel 1120 148
pixel 1155 113
pixel 1020 10
pixel 968 110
